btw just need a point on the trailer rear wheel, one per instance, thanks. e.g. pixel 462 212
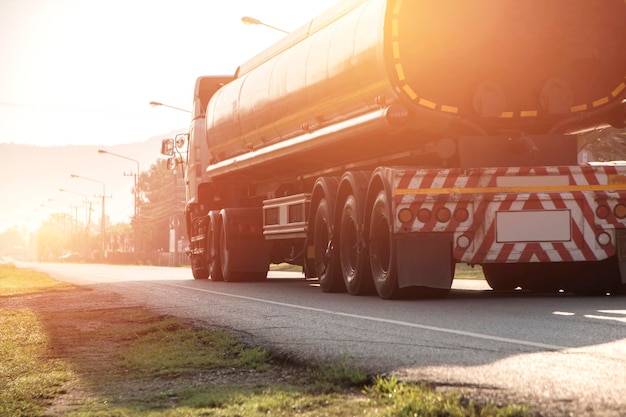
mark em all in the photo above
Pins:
pixel 326 268
pixel 355 268
pixel 501 277
pixel 534 277
pixel 595 278
pixel 543 277
pixel 382 248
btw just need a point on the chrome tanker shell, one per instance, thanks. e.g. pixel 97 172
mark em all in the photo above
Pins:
pixel 324 77
pixel 499 65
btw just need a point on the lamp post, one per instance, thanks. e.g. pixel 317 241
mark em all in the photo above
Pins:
pixel 85 199
pixel 65 220
pixel 87 213
pixel 102 221
pixel 57 211
pixel 73 212
pixel 136 196
pixel 156 104
pixel 247 20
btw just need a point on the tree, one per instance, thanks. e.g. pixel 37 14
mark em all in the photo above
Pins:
pixel 55 237
pixel 120 237
pixel 160 206
pixel 606 144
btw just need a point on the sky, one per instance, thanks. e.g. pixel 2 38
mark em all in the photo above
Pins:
pixel 83 71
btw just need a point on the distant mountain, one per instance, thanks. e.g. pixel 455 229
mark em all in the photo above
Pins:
pixel 31 176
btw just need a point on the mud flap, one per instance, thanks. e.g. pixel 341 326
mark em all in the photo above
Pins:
pixel 248 250
pixel 425 260
pixel 621 253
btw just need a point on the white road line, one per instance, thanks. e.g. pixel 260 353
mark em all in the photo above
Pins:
pixel 382 320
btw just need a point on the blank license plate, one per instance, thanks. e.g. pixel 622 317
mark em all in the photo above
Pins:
pixel 533 226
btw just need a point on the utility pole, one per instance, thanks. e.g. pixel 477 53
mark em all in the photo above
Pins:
pixel 136 198
pixel 103 220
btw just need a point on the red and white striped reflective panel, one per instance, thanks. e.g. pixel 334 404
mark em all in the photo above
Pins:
pixel 520 214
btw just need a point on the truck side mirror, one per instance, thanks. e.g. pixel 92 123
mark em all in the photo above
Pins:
pixel 181 140
pixel 167 147
pixel 171 163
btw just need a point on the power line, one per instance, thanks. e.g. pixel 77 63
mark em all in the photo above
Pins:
pixel 53 108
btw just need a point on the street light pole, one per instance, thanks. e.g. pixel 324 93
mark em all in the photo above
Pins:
pixel 156 104
pixel 87 212
pixel 64 215
pixel 102 221
pixel 247 20
pixel 136 197
pixel 73 212
pixel 61 216
pixel 85 199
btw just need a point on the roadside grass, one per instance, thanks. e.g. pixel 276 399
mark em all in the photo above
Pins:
pixel 14 281
pixel 465 271
pixel 285 267
pixel 128 361
pixel 27 378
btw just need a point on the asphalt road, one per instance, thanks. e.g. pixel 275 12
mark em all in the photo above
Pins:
pixel 562 354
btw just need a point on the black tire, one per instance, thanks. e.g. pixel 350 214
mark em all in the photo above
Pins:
pixel 213 249
pixel 500 277
pixel 543 277
pixel 534 277
pixel 325 260
pixel 199 268
pixel 382 251
pixel 355 268
pixel 200 262
pixel 595 278
pixel 227 262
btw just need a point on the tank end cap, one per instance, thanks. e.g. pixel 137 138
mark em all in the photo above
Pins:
pixel 397 115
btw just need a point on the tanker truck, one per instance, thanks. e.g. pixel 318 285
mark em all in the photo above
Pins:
pixel 385 141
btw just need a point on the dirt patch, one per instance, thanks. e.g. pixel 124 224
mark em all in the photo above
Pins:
pixel 86 329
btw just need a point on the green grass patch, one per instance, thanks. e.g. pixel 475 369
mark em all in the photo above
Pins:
pixel 29 380
pixel 408 400
pixel 169 346
pixel 465 271
pixel 15 281
pixel 285 267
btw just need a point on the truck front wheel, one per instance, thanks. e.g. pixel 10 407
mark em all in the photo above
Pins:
pixel 199 268
pixel 213 249
pixel 199 256
pixel 501 277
